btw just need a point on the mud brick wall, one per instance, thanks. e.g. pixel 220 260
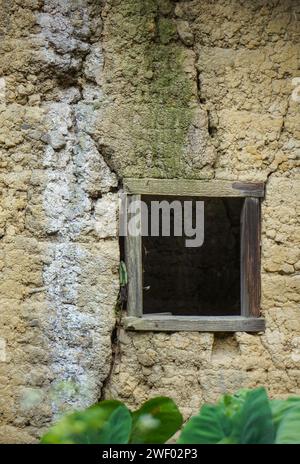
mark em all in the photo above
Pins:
pixel 93 91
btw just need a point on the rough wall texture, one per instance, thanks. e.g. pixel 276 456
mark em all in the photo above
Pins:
pixel 92 91
pixel 241 122
pixel 59 247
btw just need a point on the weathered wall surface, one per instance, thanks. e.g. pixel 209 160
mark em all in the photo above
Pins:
pixel 59 251
pixel 92 91
pixel 239 122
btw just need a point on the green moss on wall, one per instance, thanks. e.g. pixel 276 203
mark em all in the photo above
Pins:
pixel 166 30
pixel 153 109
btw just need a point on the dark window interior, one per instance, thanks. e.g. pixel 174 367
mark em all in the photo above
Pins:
pixel 203 281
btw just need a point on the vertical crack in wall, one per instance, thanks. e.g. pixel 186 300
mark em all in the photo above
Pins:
pixel 80 208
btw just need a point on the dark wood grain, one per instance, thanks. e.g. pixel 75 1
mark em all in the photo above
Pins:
pixel 250 258
pixel 133 258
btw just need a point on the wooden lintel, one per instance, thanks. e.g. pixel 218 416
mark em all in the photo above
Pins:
pixel 188 187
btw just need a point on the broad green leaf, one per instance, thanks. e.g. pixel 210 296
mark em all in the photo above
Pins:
pixel 90 426
pixel 241 418
pixel 227 441
pixel 116 430
pixel 156 421
pixel 214 424
pixel 210 426
pixel 232 404
pixel 280 408
pixel 288 431
pixel 254 424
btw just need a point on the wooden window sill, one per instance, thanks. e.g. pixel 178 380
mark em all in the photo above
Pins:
pixel 173 323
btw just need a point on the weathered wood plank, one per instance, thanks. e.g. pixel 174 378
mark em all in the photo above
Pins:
pixel 187 187
pixel 195 323
pixel 253 189
pixel 158 314
pixel 133 257
pixel 250 258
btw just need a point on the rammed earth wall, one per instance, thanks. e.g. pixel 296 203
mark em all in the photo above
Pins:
pixel 93 91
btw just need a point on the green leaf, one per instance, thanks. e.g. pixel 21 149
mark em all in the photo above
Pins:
pixel 254 424
pixel 242 418
pixel 280 408
pixel 232 404
pixel 288 431
pixel 117 428
pixel 210 426
pixel 227 441
pixel 156 421
pixel 98 424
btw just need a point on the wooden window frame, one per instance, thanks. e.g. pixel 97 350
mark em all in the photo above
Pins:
pixel 249 320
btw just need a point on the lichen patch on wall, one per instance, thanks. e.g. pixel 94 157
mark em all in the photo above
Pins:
pixel 60 257
pixel 81 314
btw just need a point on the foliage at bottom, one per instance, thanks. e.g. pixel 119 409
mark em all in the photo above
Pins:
pixel 247 417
